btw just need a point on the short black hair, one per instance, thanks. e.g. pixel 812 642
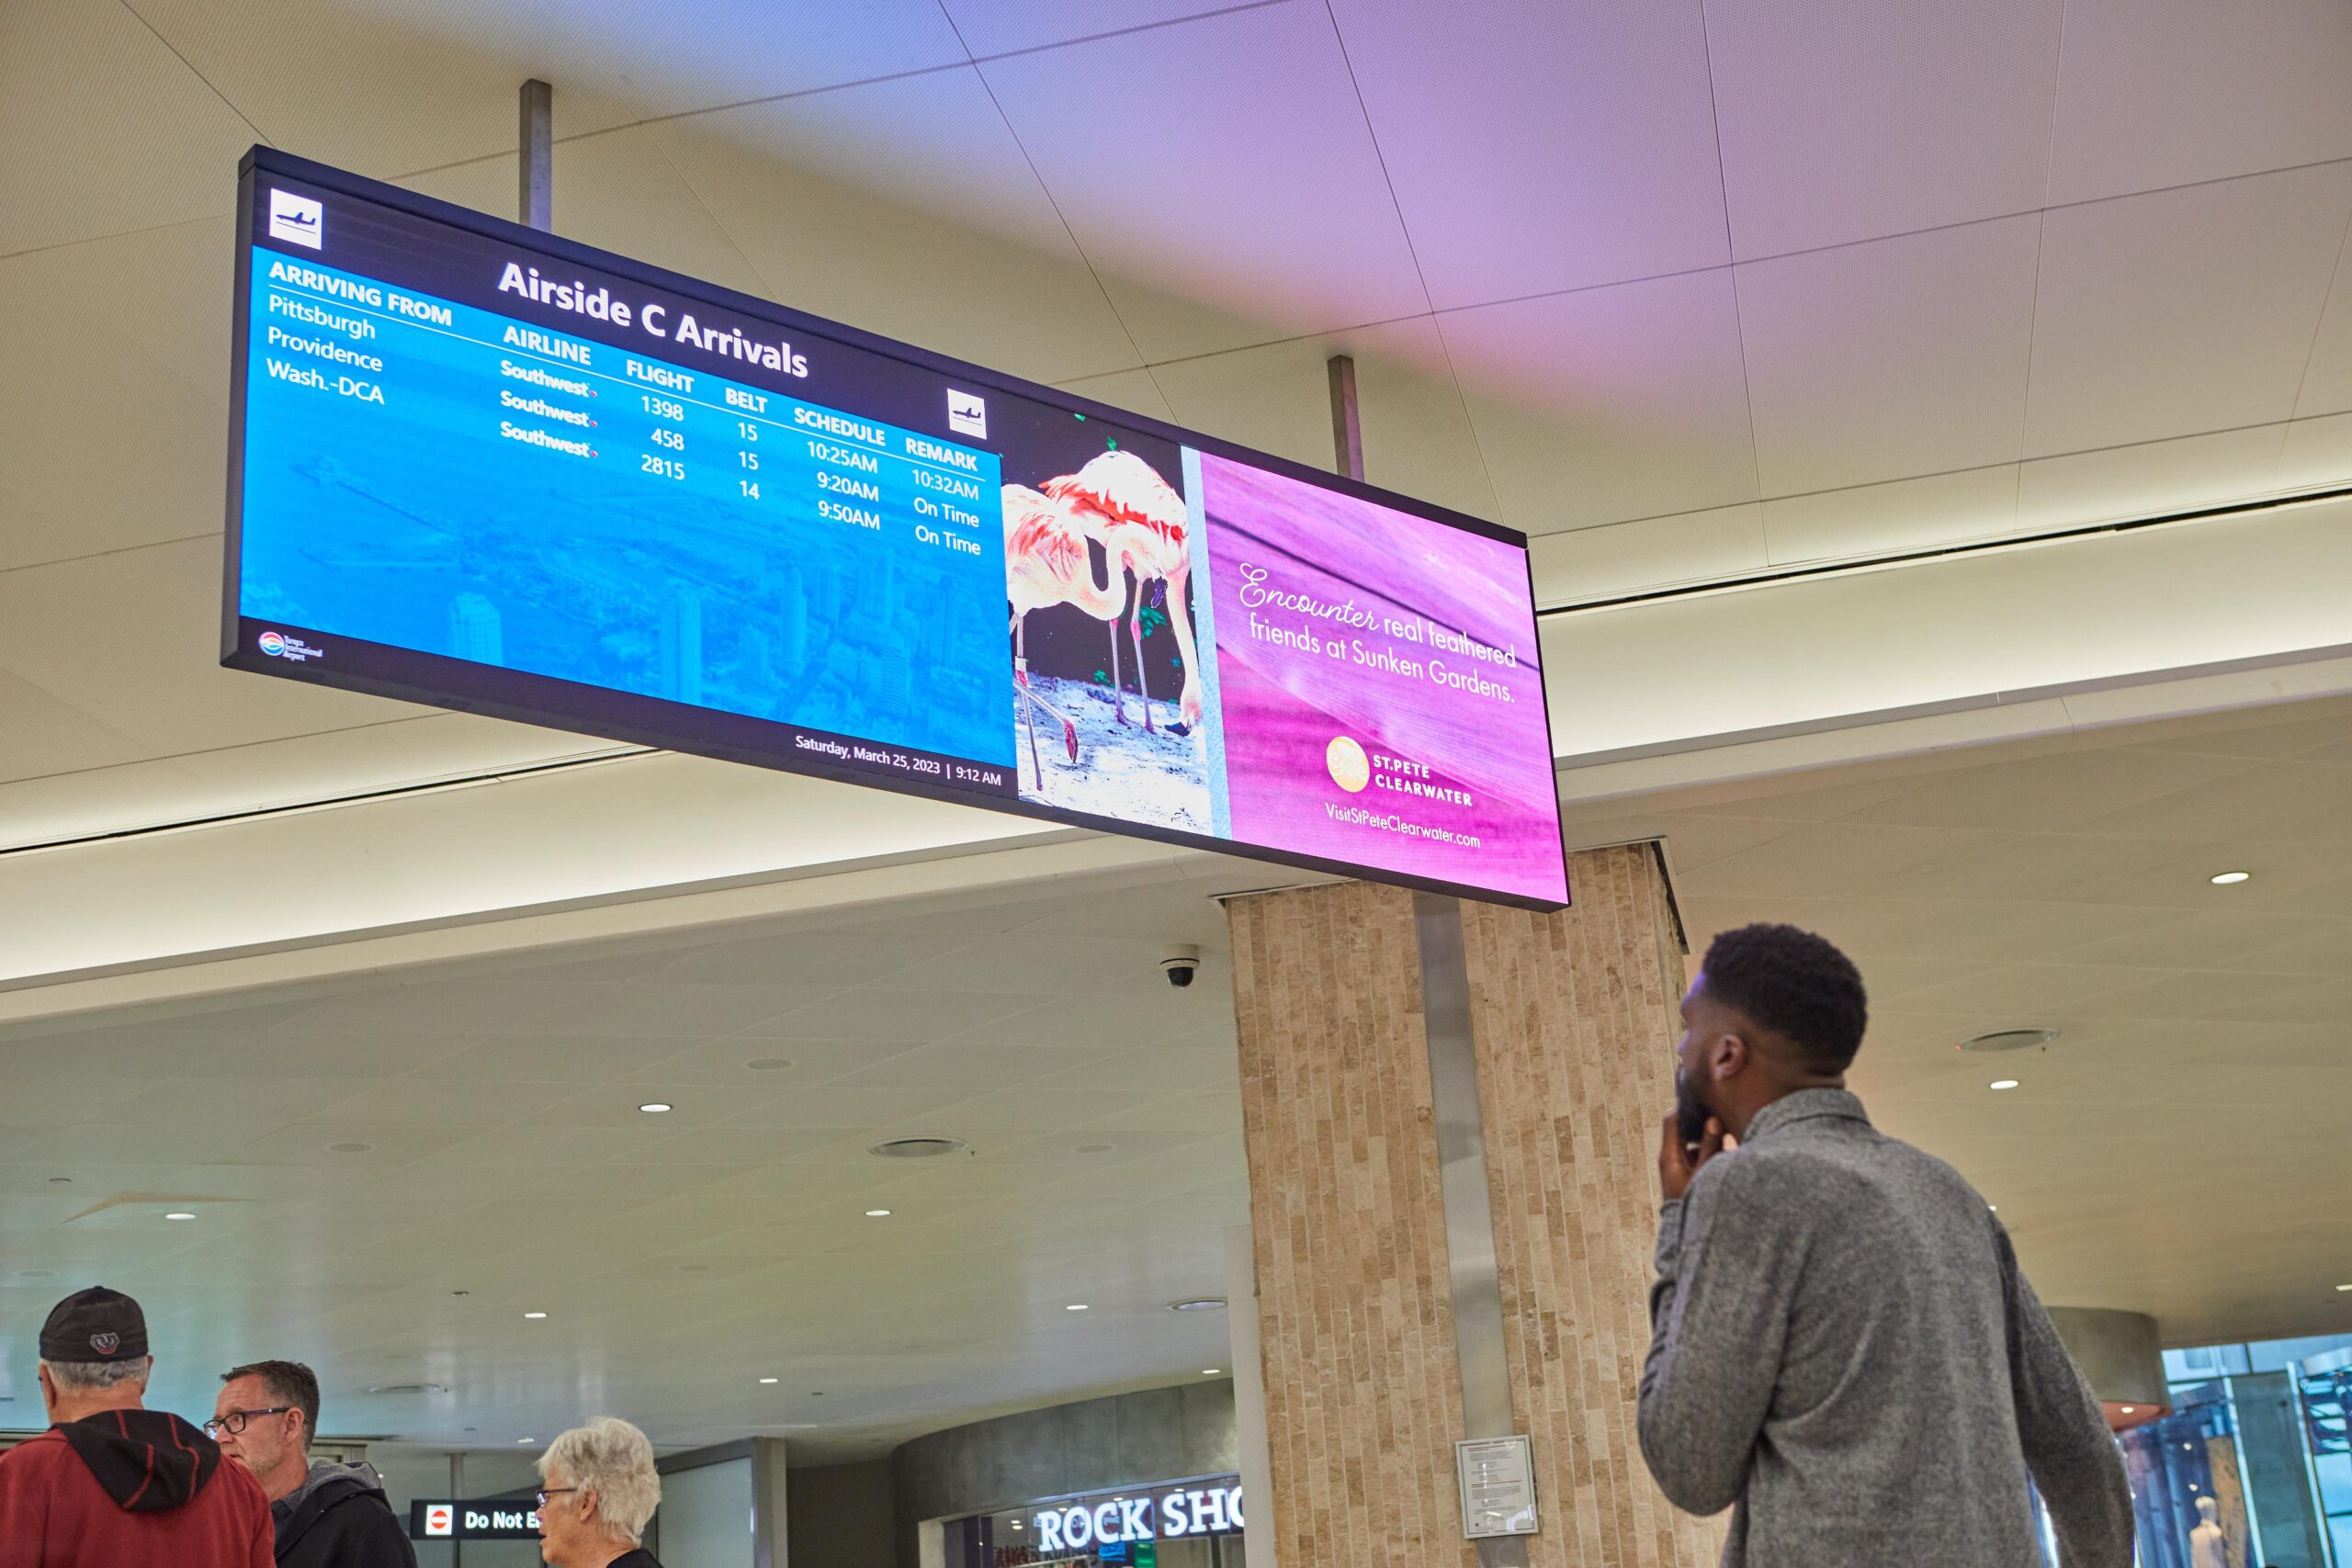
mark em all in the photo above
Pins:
pixel 1796 985
pixel 289 1382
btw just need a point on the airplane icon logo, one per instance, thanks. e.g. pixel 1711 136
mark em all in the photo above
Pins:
pixel 968 414
pixel 297 219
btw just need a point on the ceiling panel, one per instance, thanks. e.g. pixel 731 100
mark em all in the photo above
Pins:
pixel 1900 356
pixel 2158 93
pixel 1267 202
pixel 1276 397
pixel 1609 403
pixel 2149 479
pixel 857 206
pixel 2317 452
pixel 2157 317
pixel 1844 122
pixel 1593 563
pixel 1899 515
pixel 108 132
pixel 2327 380
pixel 122 439
pixel 1000 27
pixel 1576 146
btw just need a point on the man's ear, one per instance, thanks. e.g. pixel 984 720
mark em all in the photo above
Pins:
pixel 1729 1056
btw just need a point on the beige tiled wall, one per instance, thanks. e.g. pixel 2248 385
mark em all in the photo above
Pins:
pixel 1573 1014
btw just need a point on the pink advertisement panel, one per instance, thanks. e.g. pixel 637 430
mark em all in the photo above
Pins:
pixel 1382 701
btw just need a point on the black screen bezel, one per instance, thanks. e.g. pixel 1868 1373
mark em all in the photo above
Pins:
pixel 573 706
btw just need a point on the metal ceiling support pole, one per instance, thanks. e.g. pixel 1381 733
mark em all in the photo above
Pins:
pixel 1453 1087
pixel 536 191
pixel 457 1489
pixel 1347 433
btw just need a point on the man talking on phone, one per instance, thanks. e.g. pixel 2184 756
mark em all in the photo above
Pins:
pixel 1842 1349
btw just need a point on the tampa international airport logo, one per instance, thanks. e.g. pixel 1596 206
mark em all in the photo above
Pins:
pixel 1350 769
pixel 278 645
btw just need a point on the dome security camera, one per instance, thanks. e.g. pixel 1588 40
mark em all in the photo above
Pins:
pixel 1182 961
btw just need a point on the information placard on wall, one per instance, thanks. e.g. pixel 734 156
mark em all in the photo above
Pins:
pixel 480 466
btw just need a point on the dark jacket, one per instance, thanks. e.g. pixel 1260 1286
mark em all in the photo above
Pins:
pixel 129 1486
pixel 339 1519
pixel 1846 1352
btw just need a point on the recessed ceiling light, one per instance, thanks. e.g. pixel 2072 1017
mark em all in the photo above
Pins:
pixel 877 1213
pixel 1198 1303
pixel 526 1439
pixel 2344 1287
pixel 179 1214
pixel 2231 878
pixel 2004 1083
pixel 1077 1307
pixel 1212 1371
pixel 350 1148
pixel 2127 1409
pixel 535 1315
pixel 771 1380
pixel 768 1064
pixel 654 1107
pixel 919 1148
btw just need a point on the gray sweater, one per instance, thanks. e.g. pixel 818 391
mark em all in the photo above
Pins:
pixel 1842 1346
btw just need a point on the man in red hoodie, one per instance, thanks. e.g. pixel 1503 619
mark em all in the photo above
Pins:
pixel 112 1485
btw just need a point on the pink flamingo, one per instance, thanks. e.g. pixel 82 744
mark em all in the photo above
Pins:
pixel 1047 563
pixel 1141 521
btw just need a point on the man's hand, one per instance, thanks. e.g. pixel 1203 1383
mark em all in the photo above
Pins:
pixel 1675 1164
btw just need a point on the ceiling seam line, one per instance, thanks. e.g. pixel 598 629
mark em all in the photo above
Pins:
pixel 200 76
pixel 2041 250
pixel 118 551
pixel 2311 355
pixel 972 63
pixel 1404 227
pixel 1738 312
pixel 1814 570
pixel 711 213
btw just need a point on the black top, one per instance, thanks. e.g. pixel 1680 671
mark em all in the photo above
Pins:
pixel 641 1558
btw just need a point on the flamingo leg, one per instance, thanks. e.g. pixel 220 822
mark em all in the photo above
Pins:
pixel 1118 697
pixel 1021 679
pixel 1143 675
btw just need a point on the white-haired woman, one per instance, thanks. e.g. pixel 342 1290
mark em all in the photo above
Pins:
pixel 599 1489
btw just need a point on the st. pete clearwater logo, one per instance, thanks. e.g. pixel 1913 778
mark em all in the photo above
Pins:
pixel 1350 769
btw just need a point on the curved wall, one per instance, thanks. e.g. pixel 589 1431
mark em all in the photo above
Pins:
pixel 1162 1434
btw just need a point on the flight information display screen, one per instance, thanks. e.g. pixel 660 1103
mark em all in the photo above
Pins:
pixel 480 467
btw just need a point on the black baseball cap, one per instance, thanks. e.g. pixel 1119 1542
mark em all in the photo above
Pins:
pixel 95 1325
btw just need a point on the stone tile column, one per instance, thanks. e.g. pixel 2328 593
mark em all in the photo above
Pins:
pixel 1573 1015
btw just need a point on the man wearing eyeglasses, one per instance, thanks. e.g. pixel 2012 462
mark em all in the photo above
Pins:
pixel 328 1514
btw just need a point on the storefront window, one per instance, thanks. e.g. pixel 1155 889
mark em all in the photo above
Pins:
pixel 1173 1524
pixel 2259 1431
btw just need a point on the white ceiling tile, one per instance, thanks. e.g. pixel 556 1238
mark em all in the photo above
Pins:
pixel 51 741
pixel 1622 558
pixel 1276 397
pixel 87 314
pixel 107 130
pixel 1607 405
pixel 1872 362
pixel 2181 311
pixel 2149 480
pixel 2327 380
pixel 975 1066
pixel 1905 515
pixel 1267 199
pixel 1843 122
pixel 934 230
pixel 1134 390
pixel 2167 92
pixel 617 191
pixel 1000 26
pixel 136 636
pixel 1576 146
pixel 1838 859
pixel 2317 452
pixel 2051 792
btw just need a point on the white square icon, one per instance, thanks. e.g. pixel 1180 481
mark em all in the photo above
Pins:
pixel 297 219
pixel 438 1521
pixel 968 414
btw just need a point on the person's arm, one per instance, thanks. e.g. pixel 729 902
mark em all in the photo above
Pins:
pixel 2064 1432
pixel 1726 1271
pixel 24 1513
